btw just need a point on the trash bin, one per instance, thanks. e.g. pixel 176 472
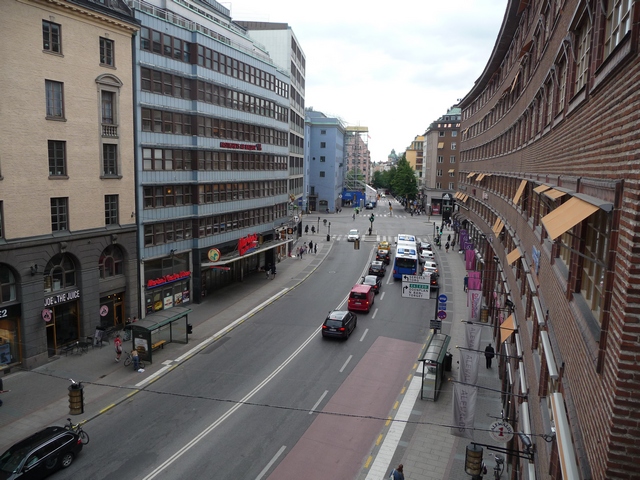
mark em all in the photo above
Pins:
pixel 448 361
pixel 189 329
pixel 76 399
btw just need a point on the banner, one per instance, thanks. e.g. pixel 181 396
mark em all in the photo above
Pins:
pixel 464 410
pixel 473 332
pixel 469 258
pixel 474 302
pixel 469 363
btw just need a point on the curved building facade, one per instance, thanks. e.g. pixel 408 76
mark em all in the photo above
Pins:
pixel 548 197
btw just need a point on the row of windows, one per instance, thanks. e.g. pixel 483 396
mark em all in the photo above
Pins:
pixel 60 212
pixel 57 153
pixel 176 86
pixel 52 42
pixel 177 195
pixel 168 159
pixel 159 121
pixel 172 47
pixel 452 159
pixel 168 232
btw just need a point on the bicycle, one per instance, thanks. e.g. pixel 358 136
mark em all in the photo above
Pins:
pixel 498 467
pixel 77 429
pixel 129 359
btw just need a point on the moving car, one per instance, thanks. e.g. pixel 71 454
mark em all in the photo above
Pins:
pixel 361 298
pixel 339 323
pixel 354 235
pixel 377 268
pixel 430 267
pixel 383 256
pixel 374 281
pixel 425 246
pixel 41 454
pixel 426 255
pixel 369 206
pixel 384 246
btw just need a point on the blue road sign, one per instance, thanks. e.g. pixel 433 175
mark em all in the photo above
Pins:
pixel 442 298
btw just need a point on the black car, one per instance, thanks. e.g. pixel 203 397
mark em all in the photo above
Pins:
pixel 339 323
pixel 433 283
pixel 383 256
pixel 369 206
pixel 41 454
pixel 377 268
pixel 373 280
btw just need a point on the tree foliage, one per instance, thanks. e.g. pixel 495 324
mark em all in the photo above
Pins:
pixel 404 183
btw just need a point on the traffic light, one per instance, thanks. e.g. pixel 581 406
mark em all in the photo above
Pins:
pixel 372 218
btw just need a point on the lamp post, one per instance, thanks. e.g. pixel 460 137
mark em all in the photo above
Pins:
pixel 329 233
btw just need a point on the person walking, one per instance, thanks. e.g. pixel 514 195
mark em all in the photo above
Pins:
pixel 489 353
pixel 304 248
pixel 397 473
pixel 117 345
pixel 449 238
pixel 311 246
pixel 466 282
pixel 136 359
pixel 268 270
pixel 273 271
pixel 354 216
pixel 446 247
pixel 315 248
pixel 306 229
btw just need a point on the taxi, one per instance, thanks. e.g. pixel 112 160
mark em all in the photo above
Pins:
pixel 384 246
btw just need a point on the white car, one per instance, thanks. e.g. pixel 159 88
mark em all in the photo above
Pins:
pixel 353 235
pixel 426 255
pixel 430 267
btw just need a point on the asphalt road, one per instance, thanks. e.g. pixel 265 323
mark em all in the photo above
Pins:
pixel 273 399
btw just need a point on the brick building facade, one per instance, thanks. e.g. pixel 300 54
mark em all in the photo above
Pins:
pixel 548 191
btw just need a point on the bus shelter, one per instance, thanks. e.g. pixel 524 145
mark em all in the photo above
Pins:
pixel 157 330
pixel 435 361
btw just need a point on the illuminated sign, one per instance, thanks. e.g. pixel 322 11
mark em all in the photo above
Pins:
pixel 173 277
pixel 248 244
pixel 241 146
pixel 213 255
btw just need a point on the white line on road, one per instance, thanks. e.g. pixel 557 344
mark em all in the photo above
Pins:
pixel 374 312
pixel 273 460
pixel 364 334
pixel 346 363
pixel 313 409
pixel 382 295
pixel 231 411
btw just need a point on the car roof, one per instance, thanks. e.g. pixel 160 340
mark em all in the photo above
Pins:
pixel 371 277
pixel 337 314
pixel 353 230
pixel 38 438
pixel 376 263
pixel 359 287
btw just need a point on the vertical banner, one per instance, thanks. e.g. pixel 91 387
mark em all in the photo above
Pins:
pixel 469 258
pixel 469 362
pixel 474 302
pixel 472 336
pixel 464 410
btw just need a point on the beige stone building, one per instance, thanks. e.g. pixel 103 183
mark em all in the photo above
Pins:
pixel 67 196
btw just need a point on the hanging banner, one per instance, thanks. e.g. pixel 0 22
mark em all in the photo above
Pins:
pixel 474 302
pixel 473 332
pixel 469 364
pixel 469 258
pixel 464 410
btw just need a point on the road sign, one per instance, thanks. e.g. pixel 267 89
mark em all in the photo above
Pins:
pixel 435 324
pixel 414 279
pixel 442 298
pixel 415 290
pixel 442 306
pixel 442 315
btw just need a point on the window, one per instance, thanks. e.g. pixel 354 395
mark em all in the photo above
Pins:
pixel 111 210
pixel 107 107
pixel 54 99
pixel 51 37
pixel 440 159
pixel 454 133
pixel 583 36
pixel 593 268
pixel 452 174
pixel 438 173
pixel 109 159
pixel 452 159
pixel 57 158
pixel 322 158
pixel 7 285
pixel 60 272
pixel 106 52
pixel 618 24
pixel 451 185
pixel 59 214
pixel 323 132
pixel 323 144
pixel 322 174
pixel 441 134
pixel 453 145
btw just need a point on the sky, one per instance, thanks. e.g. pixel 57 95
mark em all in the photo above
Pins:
pixel 394 67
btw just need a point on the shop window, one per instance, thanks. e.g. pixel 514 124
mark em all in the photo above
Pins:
pixel 59 273
pixel 111 262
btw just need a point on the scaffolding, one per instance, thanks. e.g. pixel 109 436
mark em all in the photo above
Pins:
pixel 356 154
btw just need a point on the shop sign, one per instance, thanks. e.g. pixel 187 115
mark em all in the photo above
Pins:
pixel 241 146
pixel 61 298
pixel 213 255
pixel 173 277
pixel 10 311
pixel 47 315
pixel 248 244
pixel 104 310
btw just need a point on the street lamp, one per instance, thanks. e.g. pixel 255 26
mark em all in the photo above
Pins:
pixel 473 461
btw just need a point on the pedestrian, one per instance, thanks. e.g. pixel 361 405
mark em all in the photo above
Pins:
pixel 268 270
pixel 466 282
pixel 354 216
pixel 397 473
pixel 449 238
pixel 311 246
pixel 315 248
pixel 136 359
pixel 489 353
pixel 304 248
pixel 446 247
pixel 273 271
pixel 117 345
pixel 306 229
pixel 135 319
pixel 313 229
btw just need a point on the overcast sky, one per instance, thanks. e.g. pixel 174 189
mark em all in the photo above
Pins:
pixel 393 67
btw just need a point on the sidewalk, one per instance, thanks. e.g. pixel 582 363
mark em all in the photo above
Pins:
pixel 39 397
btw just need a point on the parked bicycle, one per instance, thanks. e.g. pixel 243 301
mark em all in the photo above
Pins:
pixel 77 429
pixel 498 467
pixel 129 359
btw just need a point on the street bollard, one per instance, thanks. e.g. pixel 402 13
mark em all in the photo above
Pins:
pixel 76 399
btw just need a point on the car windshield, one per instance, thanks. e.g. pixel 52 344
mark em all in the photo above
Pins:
pixel 10 460
pixel 370 280
pixel 353 232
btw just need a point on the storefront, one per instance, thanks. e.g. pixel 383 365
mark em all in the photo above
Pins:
pixel 167 282
pixel 9 334
pixel 112 310
pixel 62 320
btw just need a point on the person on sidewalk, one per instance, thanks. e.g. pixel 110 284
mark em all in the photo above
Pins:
pixel 397 473
pixel 315 248
pixel 117 345
pixel 273 271
pixel 136 359
pixel 466 282
pixel 306 229
pixel 446 247
pixel 311 246
pixel 489 353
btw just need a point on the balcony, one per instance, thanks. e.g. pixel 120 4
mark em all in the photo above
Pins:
pixel 109 130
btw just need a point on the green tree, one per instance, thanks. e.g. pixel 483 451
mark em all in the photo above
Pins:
pixel 404 181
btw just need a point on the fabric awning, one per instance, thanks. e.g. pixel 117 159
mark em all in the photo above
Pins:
pixel 440 145
pixel 451 170
pixel 514 255
pixel 497 228
pixel 519 192
pixel 507 328
pixel 471 175
pixel 527 46
pixel 567 216
pixel 464 197
pixel 515 81
pixel 553 194
pixel 541 188
pixel 480 177
pixel 455 195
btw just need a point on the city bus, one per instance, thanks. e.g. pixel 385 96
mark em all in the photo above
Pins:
pixel 406 260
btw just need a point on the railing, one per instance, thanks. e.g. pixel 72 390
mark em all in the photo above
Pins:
pixel 109 130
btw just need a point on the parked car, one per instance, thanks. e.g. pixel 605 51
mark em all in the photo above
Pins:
pixel 377 268
pixel 353 235
pixel 339 323
pixel 41 454
pixel 383 256
pixel 373 280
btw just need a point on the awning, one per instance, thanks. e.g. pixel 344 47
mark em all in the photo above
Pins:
pixel 480 177
pixel 513 255
pixel 495 225
pixel 519 192
pixel 471 175
pixel 515 81
pixel 527 46
pixel 554 194
pixel 457 195
pixel 567 216
pixel 440 145
pixel 541 188
pixel 507 328
pixel 451 170
pixel 566 455
pixel 500 227
pixel 464 197
pixel 263 248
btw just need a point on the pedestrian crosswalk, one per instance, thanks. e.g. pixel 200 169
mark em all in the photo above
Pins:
pixel 378 238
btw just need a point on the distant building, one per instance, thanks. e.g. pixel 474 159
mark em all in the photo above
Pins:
pixel 325 162
pixel 357 157
pixel 414 155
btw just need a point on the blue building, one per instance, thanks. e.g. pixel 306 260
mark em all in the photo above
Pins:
pixel 324 154
pixel 212 151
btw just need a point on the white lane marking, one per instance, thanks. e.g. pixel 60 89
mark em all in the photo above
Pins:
pixel 346 363
pixel 382 463
pixel 152 377
pixel 382 295
pixel 232 410
pixel 313 409
pixel 389 279
pixel 374 312
pixel 273 460
pixel 364 334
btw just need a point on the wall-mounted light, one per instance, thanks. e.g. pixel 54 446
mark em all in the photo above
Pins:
pixel 34 269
